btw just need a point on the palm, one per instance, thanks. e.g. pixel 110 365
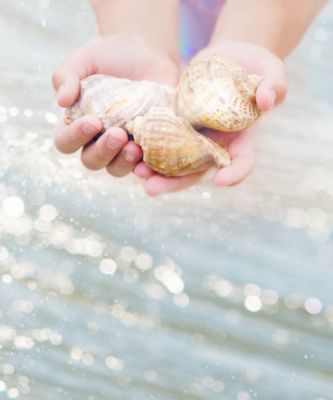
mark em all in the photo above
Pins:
pixel 240 147
pixel 254 59
pixel 258 60
pixel 124 56
pixel 135 61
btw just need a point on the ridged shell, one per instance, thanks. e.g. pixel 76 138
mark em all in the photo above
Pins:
pixel 218 94
pixel 116 101
pixel 172 147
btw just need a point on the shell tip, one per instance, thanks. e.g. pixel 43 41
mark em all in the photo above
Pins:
pixel 223 159
pixel 68 116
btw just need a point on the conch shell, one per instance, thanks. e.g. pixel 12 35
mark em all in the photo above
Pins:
pixel 212 93
pixel 218 94
pixel 115 101
pixel 172 147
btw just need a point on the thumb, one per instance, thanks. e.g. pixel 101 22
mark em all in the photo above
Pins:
pixel 66 78
pixel 273 89
pixel 67 84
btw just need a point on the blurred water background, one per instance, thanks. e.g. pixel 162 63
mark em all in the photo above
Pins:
pixel 204 294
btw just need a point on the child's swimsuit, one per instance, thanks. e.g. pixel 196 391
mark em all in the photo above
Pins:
pixel 198 18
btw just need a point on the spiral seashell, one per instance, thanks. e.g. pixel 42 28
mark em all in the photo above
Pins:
pixel 218 94
pixel 172 147
pixel 116 101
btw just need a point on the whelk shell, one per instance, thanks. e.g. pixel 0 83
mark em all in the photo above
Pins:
pixel 218 94
pixel 172 147
pixel 115 101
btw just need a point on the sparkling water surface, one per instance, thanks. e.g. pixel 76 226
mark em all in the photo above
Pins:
pixel 205 294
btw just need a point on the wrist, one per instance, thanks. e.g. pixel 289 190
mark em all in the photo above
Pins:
pixel 229 45
pixel 151 63
pixel 140 40
pixel 239 50
pixel 269 42
pixel 158 27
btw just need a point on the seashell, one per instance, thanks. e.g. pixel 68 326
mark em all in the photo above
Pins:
pixel 172 147
pixel 116 101
pixel 218 94
pixel 212 93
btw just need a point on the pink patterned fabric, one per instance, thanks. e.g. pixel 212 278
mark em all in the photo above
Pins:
pixel 198 18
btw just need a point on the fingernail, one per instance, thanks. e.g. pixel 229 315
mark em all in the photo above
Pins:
pixel 113 143
pixel 88 129
pixel 129 157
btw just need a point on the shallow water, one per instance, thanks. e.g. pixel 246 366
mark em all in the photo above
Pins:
pixel 205 294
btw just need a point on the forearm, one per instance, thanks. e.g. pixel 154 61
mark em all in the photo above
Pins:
pixel 277 25
pixel 156 21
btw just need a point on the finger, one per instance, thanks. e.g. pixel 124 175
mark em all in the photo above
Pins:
pixel 126 160
pixel 158 184
pixel 67 84
pixel 100 153
pixel 273 88
pixel 66 78
pixel 142 171
pixel 266 96
pixel 239 170
pixel 69 138
pixel 242 161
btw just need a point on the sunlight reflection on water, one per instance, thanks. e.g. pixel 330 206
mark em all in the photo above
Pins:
pixel 205 294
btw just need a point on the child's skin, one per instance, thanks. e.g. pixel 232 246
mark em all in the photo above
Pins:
pixel 136 44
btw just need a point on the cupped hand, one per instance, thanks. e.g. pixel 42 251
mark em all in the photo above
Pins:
pixel 124 56
pixel 271 91
pixel 240 147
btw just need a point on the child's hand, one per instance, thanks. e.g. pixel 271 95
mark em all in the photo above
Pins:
pixel 271 91
pixel 124 56
pixel 240 147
